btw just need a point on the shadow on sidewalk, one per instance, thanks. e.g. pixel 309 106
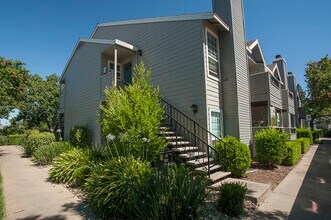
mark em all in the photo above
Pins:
pixel 314 198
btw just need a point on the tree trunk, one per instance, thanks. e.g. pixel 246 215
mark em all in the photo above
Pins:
pixel 311 123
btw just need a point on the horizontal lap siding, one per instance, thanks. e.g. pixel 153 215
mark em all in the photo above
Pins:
pixel 82 81
pixel 275 96
pixel 174 52
pixel 259 87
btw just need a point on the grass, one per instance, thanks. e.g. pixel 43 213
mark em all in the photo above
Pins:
pixel 2 202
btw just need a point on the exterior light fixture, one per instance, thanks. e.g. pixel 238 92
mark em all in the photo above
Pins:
pixel 194 108
pixel 140 52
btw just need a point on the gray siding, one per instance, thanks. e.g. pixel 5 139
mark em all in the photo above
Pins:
pixel 82 97
pixel 275 95
pixel 259 87
pixel 234 68
pixel 174 52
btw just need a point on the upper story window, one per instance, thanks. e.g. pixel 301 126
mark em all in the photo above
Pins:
pixel 213 55
pixel 110 68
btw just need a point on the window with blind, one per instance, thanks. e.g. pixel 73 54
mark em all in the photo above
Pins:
pixel 213 55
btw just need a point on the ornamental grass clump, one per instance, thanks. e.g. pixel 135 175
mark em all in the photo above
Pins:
pixel 133 113
pixel 270 146
pixel 112 185
pixel 45 154
pixel 66 164
pixel 171 194
pixel 234 155
pixel 231 198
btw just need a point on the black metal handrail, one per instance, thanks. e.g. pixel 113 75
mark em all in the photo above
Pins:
pixel 196 130
pixel 179 128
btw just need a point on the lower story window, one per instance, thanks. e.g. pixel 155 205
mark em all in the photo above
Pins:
pixel 215 124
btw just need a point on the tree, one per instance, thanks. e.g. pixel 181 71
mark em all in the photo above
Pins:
pixel 42 102
pixel 13 85
pixel 134 115
pixel 318 79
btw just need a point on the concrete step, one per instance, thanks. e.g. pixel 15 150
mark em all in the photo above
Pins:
pixel 174 138
pixel 216 177
pixel 168 133
pixel 173 143
pixel 204 169
pixel 256 193
pixel 193 154
pixel 199 162
pixel 184 149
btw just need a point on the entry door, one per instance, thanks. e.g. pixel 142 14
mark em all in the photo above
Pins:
pixel 128 73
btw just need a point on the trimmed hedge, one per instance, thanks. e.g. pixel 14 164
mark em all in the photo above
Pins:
pixel 270 146
pixel 317 133
pixel 327 133
pixel 237 161
pixel 293 153
pixel 37 140
pixel 304 133
pixel 16 139
pixel 305 144
pixel 3 140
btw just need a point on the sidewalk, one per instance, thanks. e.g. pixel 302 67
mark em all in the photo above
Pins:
pixel 29 195
pixel 306 192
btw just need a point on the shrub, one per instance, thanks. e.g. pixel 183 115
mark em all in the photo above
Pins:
pixel 37 140
pixel 79 136
pixel 305 144
pixel 304 133
pixel 231 198
pixel 317 134
pixel 270 146
pixel 45 154
pixel 327 133
pixel 16 139
pixel 135 113
pixel 171 194
pixel 111 185
pixel 3 140
pixel 236 161
pixel 66 164
pixel 293 152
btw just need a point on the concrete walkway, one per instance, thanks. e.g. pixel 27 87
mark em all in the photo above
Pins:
pixel 30 196
pixel 306 192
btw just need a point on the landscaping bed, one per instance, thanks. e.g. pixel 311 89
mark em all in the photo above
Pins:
pixel 272 175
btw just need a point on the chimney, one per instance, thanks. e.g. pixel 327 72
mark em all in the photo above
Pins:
pixel 280 61
pixel 235 89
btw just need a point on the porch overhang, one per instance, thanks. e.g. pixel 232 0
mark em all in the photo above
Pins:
pixel 114 42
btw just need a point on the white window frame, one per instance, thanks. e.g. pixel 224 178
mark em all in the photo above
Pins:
pixel 119 72
pixel 207 30
pixel 221 121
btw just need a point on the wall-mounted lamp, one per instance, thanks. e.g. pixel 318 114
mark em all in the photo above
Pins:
pixel 140 52
pixel 194 108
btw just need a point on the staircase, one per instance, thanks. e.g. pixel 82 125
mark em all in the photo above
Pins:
pixel 188 142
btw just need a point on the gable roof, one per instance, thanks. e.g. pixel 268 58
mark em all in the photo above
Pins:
pixel 97 41
pixel 211 17
pixel 253 47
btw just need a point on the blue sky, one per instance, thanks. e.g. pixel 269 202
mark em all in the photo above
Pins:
pixel 43 33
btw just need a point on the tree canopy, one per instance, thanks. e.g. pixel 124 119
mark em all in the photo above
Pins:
pixel 13 85
pixel 318 79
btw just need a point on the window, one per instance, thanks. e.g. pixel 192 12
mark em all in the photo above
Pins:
pixel 215 125
pixel 111 68
pixel 213 55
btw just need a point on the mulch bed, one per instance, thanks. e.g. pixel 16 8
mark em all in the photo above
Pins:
pixel 272 175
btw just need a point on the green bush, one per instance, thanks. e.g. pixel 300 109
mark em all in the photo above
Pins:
pixel 293 153
pixel 171 194
pixel 111 186
pixel 231 198
pixel 16 139
pixel 37 140
pixel 79 136
pixel 134 115
pixel 304 133
pixel 238 161
pixel 66 164
pixel 3 140
pixel 317 133
pixel 270 146
pixel 44 155
pixel 305 144
pixel 327 133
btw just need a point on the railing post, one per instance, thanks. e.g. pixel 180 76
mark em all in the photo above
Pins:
pixel 208 161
